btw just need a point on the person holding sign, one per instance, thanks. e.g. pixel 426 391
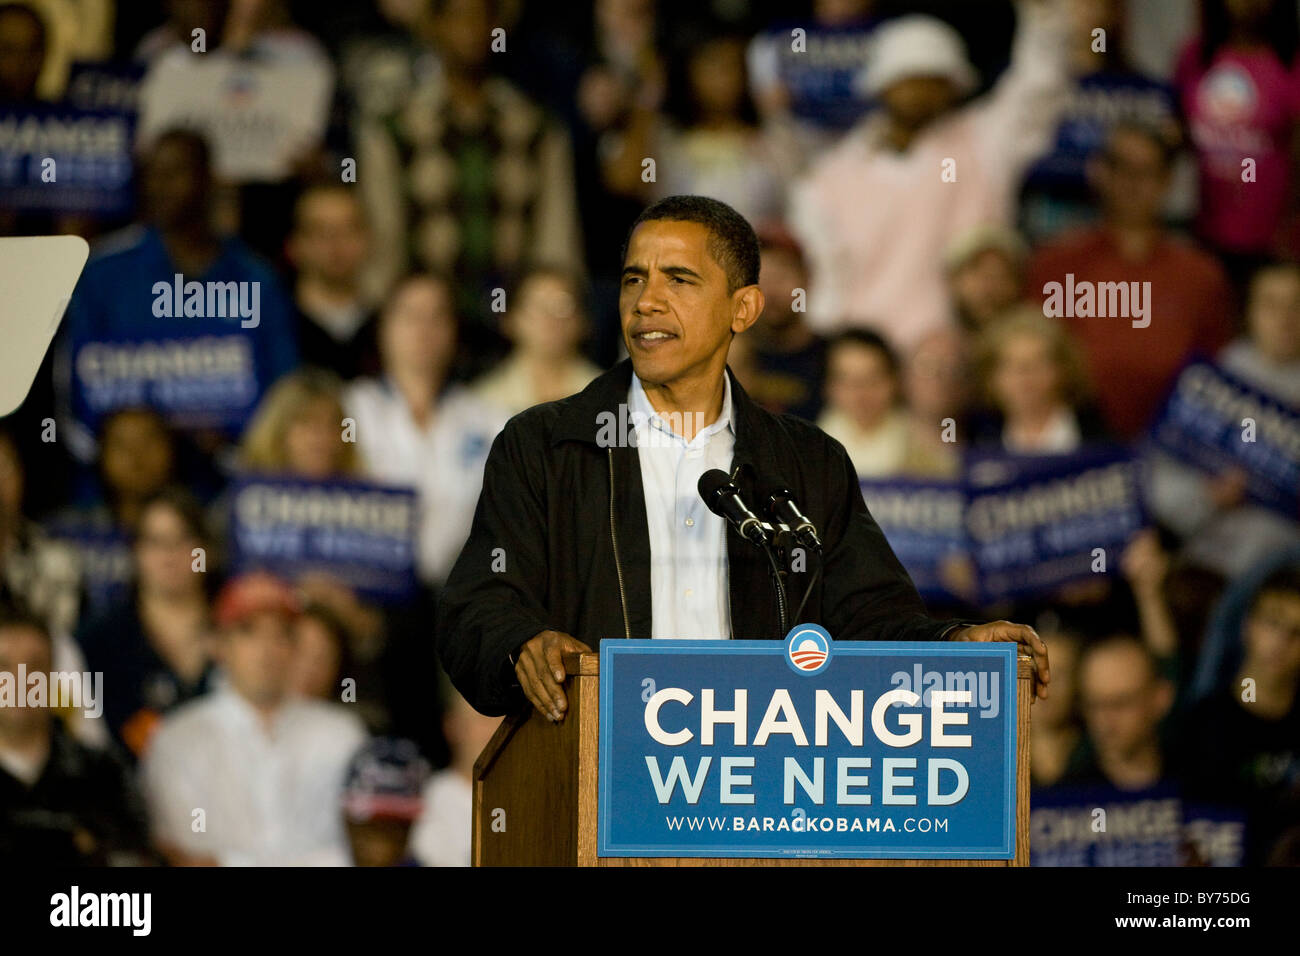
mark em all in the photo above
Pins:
pixel 588 525
pixel 1221 528
pixel 172 315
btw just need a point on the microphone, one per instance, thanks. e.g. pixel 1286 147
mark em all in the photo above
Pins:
pixel 781 506
pixel 723 499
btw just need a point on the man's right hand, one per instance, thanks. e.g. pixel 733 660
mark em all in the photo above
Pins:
pixel 540 670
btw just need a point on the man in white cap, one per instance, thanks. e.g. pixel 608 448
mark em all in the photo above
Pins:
pixel 877 213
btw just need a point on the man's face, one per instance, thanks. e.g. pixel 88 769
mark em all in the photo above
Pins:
pixel 462 31
pixel 20 644
pixel 257 653
pixel 174 185
pixel 916 101
pixel 1131 179
pixel 676 312
pixel 1121 700
pixel 330 241
pixel 316 653
pixel 717 76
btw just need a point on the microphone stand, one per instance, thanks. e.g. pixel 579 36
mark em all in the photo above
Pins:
pixel 785 540
pixel 778 585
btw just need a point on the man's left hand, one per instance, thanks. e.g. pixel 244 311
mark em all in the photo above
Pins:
pixel 1021 634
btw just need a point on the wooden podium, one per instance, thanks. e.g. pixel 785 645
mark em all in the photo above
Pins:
pixel 535 788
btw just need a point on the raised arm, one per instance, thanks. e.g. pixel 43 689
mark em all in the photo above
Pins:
pixel 1017 118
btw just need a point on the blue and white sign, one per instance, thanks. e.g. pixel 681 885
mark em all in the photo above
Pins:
pixel 362 533
pixel 1102 826
pixel 1035 523
pixel 923 521
pixel 1214 421
pixel 103 552
pixel 807 748
pixel 1018 525
pixel 60 159
pixel 202 381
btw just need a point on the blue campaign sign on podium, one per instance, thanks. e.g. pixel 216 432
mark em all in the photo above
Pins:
pixel 807 748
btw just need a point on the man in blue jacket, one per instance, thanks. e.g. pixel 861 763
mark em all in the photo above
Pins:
pixel 589 525
pixel 169 314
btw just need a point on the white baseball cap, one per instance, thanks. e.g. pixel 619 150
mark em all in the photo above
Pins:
pixel 916 45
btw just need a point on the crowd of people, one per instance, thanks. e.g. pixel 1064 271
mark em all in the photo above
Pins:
pixel 417 208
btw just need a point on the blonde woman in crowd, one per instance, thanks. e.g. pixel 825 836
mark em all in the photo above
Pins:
pixel 298 430
pixel 1032 378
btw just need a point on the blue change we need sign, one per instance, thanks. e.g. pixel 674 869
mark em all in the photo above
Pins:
pixel 1036 522
pixel 924 523
pixel 1213 420
pixel 61 159
pixel 361 532
pixel 200 381
pixel 807 748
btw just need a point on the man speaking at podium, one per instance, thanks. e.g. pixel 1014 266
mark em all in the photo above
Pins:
pixel 590 524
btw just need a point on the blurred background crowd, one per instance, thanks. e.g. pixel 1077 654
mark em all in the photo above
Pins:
pixel 431 196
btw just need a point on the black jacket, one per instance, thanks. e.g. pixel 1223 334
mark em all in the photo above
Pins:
pixel 83 809
pixel 557 496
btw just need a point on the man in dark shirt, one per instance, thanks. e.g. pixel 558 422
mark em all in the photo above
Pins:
pixel 1123 699
pixel 1244 742
pixel 61 803
pixel 329 247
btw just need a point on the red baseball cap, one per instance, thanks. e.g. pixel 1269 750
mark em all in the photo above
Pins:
pixel 253 592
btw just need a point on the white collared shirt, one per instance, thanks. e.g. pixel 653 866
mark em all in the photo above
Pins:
pixel 443 460
pixel 688 543
pixel 269 796
pixel 1060 436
